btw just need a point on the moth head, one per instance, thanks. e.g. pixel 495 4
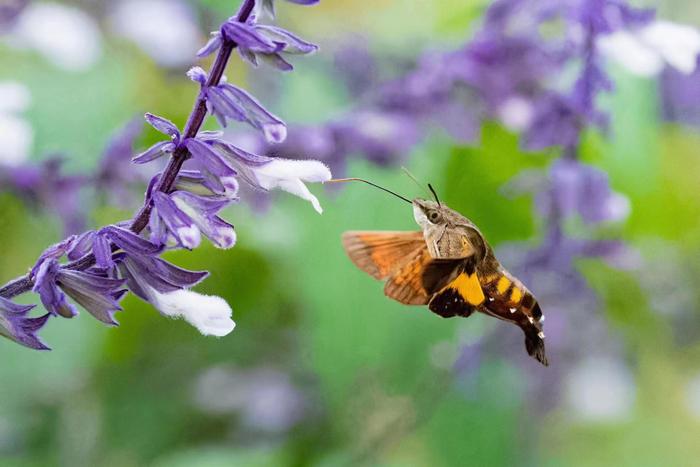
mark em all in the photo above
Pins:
pixel 428 213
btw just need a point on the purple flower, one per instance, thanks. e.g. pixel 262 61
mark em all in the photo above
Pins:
pixel 194 182
pixel 268 173
pixel 161 148
pixel 219 176
pixel 181 204
pixel 45 284
pixel 96 289
pixel 98 293
pixel 142 272
pixel 166 287
pixel 202 211
pixel 177 223
pixel 99 290
pixel 16 326
pixel 103 243
pixel 56 251
pixel 258 42
pixel 228 102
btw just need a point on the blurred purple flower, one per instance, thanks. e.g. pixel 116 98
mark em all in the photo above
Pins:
pixel 266 398
pixel 356 66
pixel 680 96
pixel 9 11
pixel 577 188
pixel 115 177
pixel 382 137
pixel 44 185
pixel 555 122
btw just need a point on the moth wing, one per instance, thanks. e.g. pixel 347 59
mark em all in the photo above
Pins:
pixel 440 272
pixel 381 253
pixel 406 284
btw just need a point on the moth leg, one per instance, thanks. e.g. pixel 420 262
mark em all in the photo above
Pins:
pixel 449 304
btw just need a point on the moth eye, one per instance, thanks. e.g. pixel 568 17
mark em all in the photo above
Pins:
pixel 433 216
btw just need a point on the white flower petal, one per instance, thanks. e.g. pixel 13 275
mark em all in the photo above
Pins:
pixel 289 175
pixel 66 36
pixel 189 236
pixel 297 188
pixel 210 314
pixel 306 170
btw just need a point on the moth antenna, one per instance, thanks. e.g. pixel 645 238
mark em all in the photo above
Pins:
pixel 343 180
pixel 432 190
pixel 415 180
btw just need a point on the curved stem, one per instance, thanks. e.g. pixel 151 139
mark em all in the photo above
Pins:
pixel 25 283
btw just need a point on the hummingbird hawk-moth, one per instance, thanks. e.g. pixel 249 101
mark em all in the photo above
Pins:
pixel 450 267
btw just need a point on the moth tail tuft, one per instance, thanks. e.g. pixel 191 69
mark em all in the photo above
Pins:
pixel 534 344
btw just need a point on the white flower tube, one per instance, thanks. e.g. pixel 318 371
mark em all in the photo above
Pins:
pixel 210 314
pixel 289 175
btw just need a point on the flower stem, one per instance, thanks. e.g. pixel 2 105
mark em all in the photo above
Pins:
pixel 25 283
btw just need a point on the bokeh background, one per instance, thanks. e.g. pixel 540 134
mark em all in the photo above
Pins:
pixel 322 369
